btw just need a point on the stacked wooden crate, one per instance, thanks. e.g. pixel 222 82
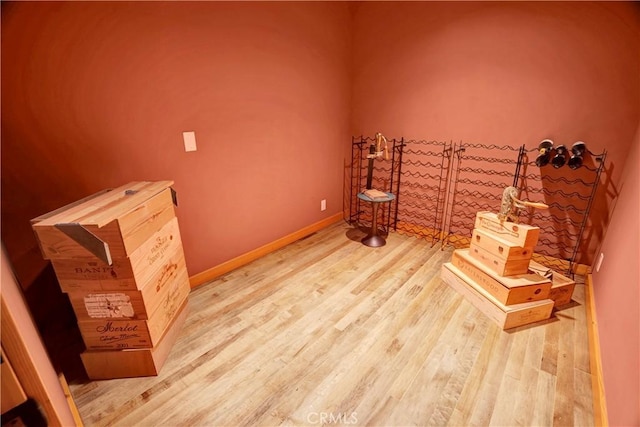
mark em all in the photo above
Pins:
pixel 118 255
pixel 496 274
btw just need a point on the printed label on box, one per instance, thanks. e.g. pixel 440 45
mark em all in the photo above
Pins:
pixel 92 270
pixel 101 306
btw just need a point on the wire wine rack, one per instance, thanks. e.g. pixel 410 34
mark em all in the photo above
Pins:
pixel 440 186
pixel 570 194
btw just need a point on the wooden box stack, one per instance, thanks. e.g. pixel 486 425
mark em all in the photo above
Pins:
pixel 496 274
pixel 118 255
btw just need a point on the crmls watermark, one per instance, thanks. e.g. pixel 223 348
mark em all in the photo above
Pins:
pixel 323 418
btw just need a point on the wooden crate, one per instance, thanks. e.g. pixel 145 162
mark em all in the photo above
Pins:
pixel 159 253
pixel 109 225
pixel 110 334
pixel 499 247
pixel 500 266
pixel 506 289
pixel 137 305
pixel 505 316
pixel 522 235
pixel 561 292
pixel 110 364
pixel 561 286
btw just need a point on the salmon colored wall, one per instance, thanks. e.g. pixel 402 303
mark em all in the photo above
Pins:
pixel 616 287
pixel 505 73
pixel 95 95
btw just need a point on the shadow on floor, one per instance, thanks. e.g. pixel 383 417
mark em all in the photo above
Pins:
pixel 357 233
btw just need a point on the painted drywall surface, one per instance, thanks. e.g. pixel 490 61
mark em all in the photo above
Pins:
pixel 617 293
pixel 98 94
pixel 504 73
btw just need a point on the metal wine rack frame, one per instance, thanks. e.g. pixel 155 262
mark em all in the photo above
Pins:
pixel 422 188
pixel 440 186
pixel 477 183
pixel 570 195
pixel 416 174
pixel 385 178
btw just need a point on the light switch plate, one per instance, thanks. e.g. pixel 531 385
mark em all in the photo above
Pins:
pixel 189 141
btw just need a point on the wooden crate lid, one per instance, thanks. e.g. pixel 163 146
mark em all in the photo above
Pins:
pixel 102 208
pixel 523 235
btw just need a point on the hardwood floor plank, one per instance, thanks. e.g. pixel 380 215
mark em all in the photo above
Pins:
pixel 524 400
pixel 564 398
pixel 515 363
pixel 329 331
pixel 452 391
pixel 416 403
pixel 549 362
pixel 503 414
pixel 583 399
pixel 471 391
pixel 544 395
pixel 484 406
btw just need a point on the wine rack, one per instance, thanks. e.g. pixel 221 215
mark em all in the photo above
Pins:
pixel 385 178
pixel 570 194
pixel 480 174
pixel 416 173
pixel 422 188
pixel 440 186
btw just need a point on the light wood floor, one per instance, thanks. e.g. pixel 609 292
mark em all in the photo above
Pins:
pixel 328 331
